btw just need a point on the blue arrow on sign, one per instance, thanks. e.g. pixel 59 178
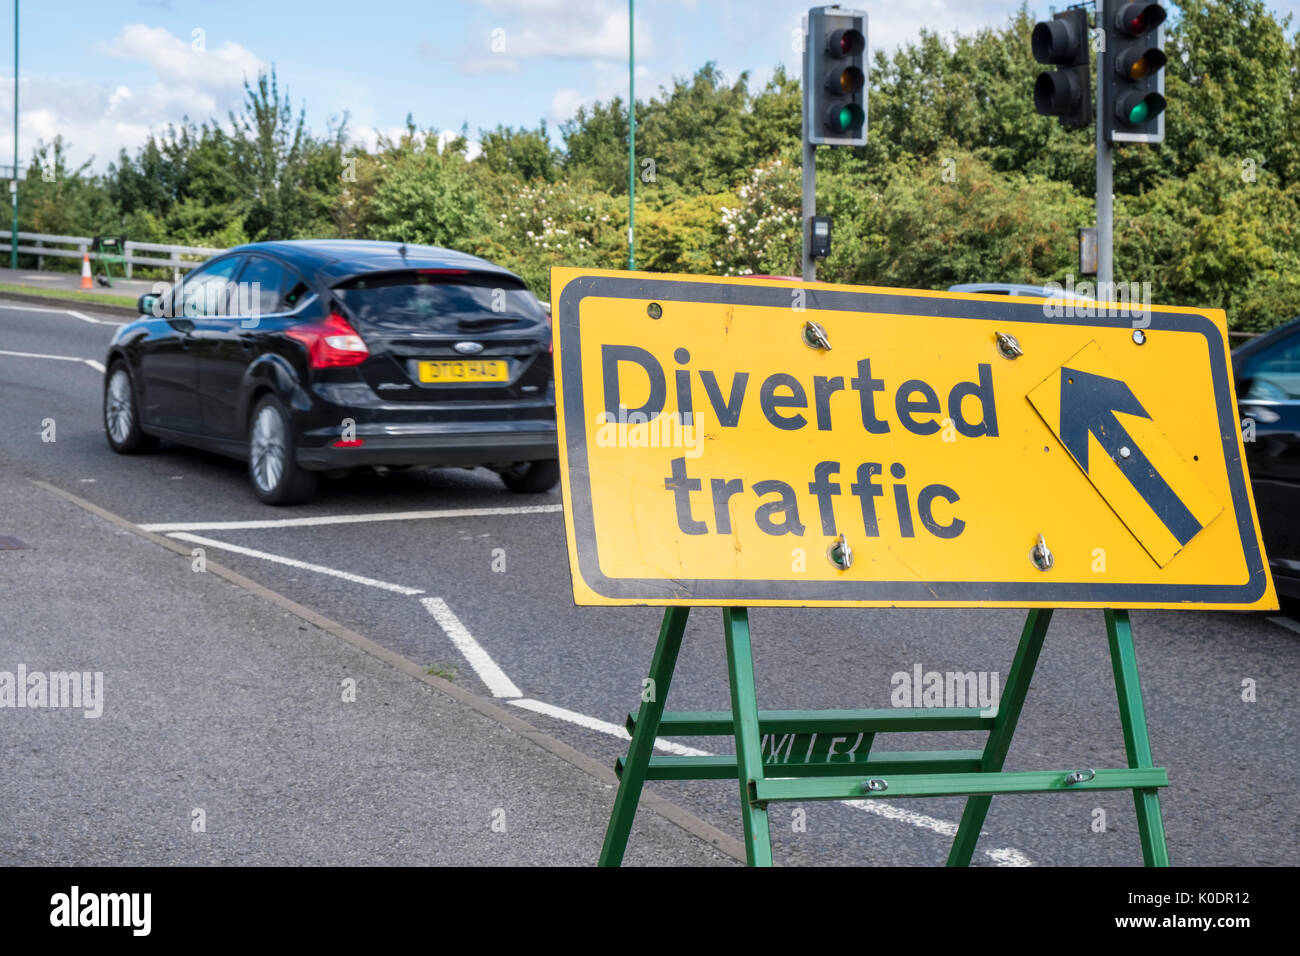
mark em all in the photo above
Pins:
pixel 1088 406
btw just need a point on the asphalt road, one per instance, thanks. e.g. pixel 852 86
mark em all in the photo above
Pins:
pixel 485 596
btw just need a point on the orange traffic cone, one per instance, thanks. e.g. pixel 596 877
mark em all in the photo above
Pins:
pixel 86 281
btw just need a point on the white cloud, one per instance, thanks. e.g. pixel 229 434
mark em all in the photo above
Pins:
pixel 564 104
pixel 476 66
pixel 95 120
pixel 472 149
pixel 552 28
pixel 183 63
pixel 99 119
pixel 368 139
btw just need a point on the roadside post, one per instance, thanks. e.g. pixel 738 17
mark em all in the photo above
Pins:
pixel 740 443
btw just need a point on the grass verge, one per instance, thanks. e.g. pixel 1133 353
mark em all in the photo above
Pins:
pixel 71 295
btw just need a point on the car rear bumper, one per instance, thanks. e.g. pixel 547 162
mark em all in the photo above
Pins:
pixel 455 445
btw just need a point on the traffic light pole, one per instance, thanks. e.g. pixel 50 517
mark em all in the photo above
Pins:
pixel 1105 168
pixel 809 264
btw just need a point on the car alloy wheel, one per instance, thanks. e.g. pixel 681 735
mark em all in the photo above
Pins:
pixel 268 449
pixel 119 407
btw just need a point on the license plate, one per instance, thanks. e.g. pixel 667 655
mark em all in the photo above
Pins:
pixel 450 373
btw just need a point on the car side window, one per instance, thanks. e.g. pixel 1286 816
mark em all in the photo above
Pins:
pixel 208 291
pixel 259 289
pixel 297 292
pixel 1274 373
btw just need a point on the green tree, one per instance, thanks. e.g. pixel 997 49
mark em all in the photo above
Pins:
pixel 595 145
pixel 408 191
pixel 292 182
pixel 57 197
pixel 524 154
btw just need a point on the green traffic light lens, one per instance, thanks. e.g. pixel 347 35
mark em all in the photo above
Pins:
pixel 850 117
pixel 844 119
pixel 1139 114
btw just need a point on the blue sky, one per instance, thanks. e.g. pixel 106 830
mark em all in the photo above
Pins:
pixel 103 74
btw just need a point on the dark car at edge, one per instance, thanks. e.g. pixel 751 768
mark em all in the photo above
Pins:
pixel 305 357
pixel 1267 370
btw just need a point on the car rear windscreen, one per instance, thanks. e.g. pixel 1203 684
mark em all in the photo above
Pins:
pixel 438 301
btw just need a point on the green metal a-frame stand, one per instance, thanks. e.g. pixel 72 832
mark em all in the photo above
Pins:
pixel 813 769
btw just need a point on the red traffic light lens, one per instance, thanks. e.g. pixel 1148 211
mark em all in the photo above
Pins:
pixel 1136 19
pixel 846 43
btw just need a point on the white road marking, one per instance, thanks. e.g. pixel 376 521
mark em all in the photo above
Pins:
pixel 167 527
pixel 1286 622
pixel 484 666
pixel 294 563
pixel 1006 856
pixel 57 358
pixel 604 726
pixel 1002 856
pixel 91 320
pixel 71 312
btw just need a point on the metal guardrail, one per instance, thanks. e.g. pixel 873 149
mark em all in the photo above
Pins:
pixel 45 244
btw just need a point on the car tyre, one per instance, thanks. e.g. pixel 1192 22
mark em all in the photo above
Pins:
pixel 276 477
pixel 532 477
pixel 122 414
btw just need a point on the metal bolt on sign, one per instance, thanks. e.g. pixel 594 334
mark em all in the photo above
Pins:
pixel 1139 337
pixel 814 336
pixel 840 554
pixel 1008 345
pixel 1079 776
pixel 1041 555
pixel 875 785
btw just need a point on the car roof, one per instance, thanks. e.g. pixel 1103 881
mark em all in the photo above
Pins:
pixel 338 259
pixel 1266 339
pixel 1009 288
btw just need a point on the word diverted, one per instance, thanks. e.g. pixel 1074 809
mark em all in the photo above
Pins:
pixel 704 504
pixel 784 401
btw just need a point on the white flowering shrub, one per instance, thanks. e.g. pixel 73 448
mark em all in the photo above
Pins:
pixel 762 231
pixel 541 224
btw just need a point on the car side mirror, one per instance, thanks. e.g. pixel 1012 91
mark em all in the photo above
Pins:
pixel 146 303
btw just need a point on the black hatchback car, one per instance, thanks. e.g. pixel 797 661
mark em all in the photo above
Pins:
pixel 1267 370
pixel 307 356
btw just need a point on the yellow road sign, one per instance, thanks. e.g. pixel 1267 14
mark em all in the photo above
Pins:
pixel 752 442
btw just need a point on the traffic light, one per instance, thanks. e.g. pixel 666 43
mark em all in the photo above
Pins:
pixel 1067 92
pixel 835 77
pixel 1134 78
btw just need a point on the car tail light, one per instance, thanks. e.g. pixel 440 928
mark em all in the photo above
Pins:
pixel 332 343
pixel 550 342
